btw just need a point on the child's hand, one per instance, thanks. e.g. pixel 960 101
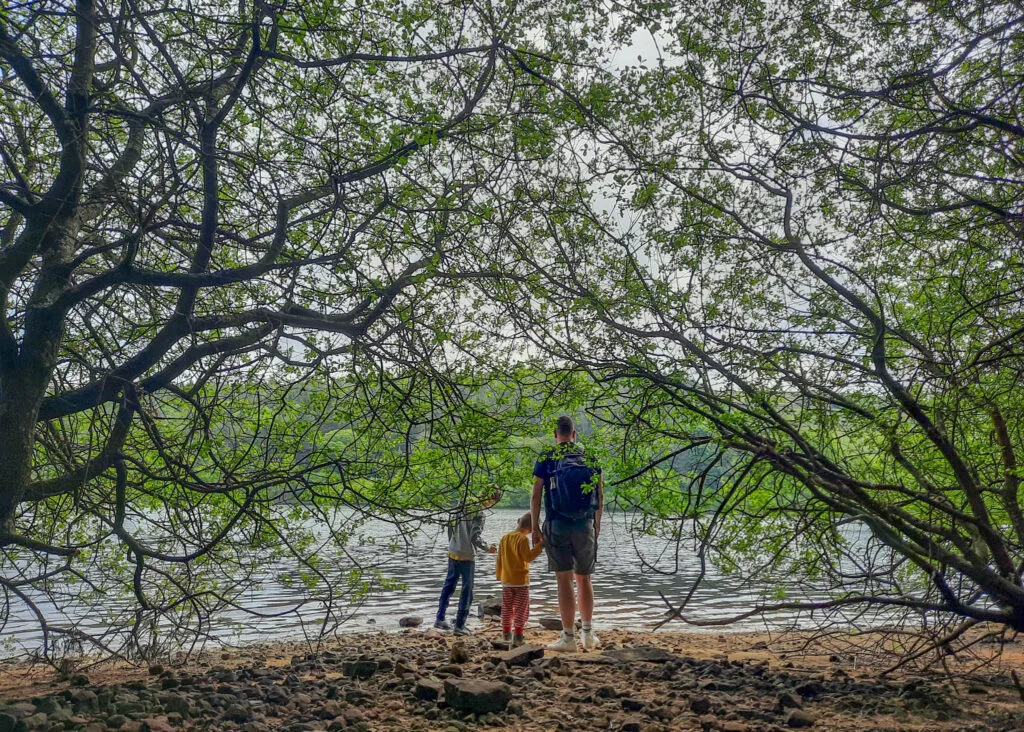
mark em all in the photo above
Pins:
pixel 492 549
pixel 542 540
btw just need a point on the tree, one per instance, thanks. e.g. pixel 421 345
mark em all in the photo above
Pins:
pixel 808 248
pixel 203 212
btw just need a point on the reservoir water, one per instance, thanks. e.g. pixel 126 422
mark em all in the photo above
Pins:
pixel 635 572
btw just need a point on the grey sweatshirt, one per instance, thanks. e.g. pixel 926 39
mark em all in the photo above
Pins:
pixel 465 535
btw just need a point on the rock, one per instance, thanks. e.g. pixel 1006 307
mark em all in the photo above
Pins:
pixel 238 712
pixel 37 721
pixel 359 669
pixel 790 701
pixel 20 710
pixel 48 706
pixel 353 717
pixel 402 669
pixel 459 652
pixel 631 725
pixel 810 689
pixel 607 692
pixel 700 704
pixel 156 669
pixel 521 656
pixel 433 633
pixel 117 721
pixel 800 718
pixel 633 705
pixel 410 621
pixel 479 697
pixel 732 727
pixel 550 623
pixel 331 709
pixel 8 723
pixel 176 703
pixel 552 664
pixel 449 669
pixel 490 606
pixel 79 680
pixel 428 689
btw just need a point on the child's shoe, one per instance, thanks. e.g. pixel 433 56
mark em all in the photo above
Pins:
pixel 506 639
pixel 517 640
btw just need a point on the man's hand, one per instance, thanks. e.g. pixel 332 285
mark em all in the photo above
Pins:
pixel 492 549
pixel 597 529
pixel 538 537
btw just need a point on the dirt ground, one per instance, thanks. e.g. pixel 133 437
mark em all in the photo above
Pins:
pixel 733 682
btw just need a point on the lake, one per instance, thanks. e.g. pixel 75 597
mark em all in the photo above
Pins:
pixel 628 589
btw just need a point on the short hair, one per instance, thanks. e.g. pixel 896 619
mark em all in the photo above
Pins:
pixel 564 426
pixel 526 521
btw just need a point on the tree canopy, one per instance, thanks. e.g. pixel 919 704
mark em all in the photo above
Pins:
pixel 259 261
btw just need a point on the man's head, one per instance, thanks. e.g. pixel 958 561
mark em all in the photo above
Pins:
pixel 525 522
pixel 565 430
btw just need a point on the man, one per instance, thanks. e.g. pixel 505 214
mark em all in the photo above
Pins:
pixel 573 491
pixel 465 537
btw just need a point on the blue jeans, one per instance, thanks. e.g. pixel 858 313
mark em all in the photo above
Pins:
pixel 457 569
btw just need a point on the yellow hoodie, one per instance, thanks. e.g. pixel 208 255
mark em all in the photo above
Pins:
pixel 514 557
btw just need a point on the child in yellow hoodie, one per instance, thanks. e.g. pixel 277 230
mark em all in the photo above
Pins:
pixel 513 570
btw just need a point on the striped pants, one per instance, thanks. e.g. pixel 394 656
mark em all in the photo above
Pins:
pixel 515 608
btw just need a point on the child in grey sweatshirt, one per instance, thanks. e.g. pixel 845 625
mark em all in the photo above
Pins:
pixel 465 537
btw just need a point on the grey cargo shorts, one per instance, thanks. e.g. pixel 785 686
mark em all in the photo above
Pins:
pixel 570 546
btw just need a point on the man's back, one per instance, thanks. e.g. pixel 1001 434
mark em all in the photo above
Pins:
pixel 570 483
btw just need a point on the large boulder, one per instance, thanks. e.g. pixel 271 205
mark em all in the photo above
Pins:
pixel 474 695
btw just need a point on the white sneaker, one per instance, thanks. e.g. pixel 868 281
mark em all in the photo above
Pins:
pixel 565 642
pixel 589 640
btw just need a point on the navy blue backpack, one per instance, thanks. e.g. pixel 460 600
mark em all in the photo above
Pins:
pixel 572 488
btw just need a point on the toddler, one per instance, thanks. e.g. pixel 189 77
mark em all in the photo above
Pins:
pixel 513 569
